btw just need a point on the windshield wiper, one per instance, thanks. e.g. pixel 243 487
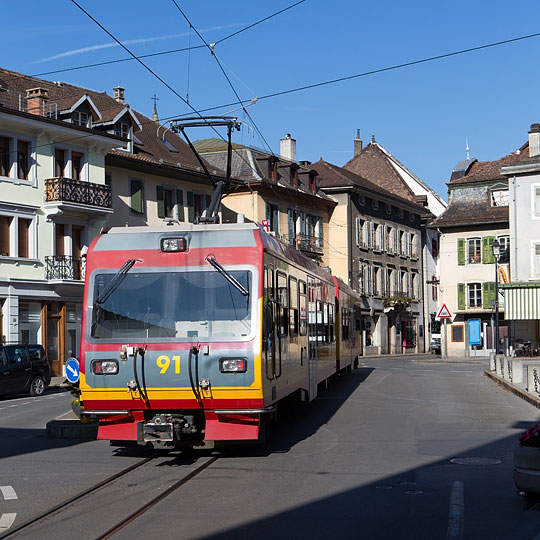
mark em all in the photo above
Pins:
pixel 115 282
pixel 212 260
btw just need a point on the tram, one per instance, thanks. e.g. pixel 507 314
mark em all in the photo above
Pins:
pixel 193 334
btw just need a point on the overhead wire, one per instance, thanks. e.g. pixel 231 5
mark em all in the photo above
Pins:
pixel 212 50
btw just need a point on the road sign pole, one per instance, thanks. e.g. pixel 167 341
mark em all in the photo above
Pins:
pixel 445 345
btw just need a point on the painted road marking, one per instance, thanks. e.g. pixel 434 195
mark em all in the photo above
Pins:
pixel 11 406
pixel 456 511
pixel 8 492
pixel 6 521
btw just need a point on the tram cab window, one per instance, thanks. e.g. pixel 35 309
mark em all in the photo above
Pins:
pixel 282 298
pixel 293 306
pixel 303 308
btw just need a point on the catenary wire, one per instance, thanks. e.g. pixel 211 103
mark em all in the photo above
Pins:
pixel 213 53
pixel 172 51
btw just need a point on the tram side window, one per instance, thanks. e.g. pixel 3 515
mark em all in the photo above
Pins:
pixel 345 324
pixel 326 324
pixel 268 285
pixel 303 308
pixel 293 306
pixel 331 323
pixel 282 298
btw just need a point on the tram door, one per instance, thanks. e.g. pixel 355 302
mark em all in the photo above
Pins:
pixel 272 339
pixel 313 356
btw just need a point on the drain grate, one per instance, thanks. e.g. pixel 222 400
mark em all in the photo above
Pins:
pixel 475 461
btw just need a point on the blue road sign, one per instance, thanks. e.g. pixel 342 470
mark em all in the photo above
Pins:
pixel 475 336
pixel 72 370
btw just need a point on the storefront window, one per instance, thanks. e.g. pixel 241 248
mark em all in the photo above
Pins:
pixel 29 322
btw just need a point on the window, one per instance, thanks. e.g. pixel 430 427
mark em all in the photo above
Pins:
pixel 504 242
pixel 303 308
pixel 283 300
pixel 362 279
pixel 80 118
pixel 402 243
pixel 77 165
pixel 474 295
pixel 536 259
pixel 136 196
pixel 4 156
pixel 59 163
pixel 170 203
pixel 377 236
pixel 293 306
pixel 536 200
pixel 376 280
pixel 23 160
pixel 499 197
pixel 435 248
pixel 121 129
pixel 474 251
pixel 17 235
pixel 389 239
pixel 434 289
pixel 272 215
pixel 457 332
pixel 388 282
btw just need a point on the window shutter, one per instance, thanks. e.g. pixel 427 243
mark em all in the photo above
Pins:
pixel 461 251
pixel 137 199
pixel 268 213
pixel 487 254
pixel 461 295
pixel 276 219
pixel 291 225
pixel 160 202
pixel 357 231
pixel 488 294
pixel 180 204
pixel 190 207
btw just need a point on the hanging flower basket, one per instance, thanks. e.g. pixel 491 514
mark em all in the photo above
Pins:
pixel 527 461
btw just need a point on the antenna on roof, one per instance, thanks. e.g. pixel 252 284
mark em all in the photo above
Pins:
pixel 467 149
pixel 155 117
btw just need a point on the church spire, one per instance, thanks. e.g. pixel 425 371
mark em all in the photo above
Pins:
pixel 155 117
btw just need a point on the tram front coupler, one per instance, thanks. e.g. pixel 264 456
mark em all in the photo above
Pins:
pixel 166 429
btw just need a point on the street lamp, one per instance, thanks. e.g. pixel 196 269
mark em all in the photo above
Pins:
pixel 496 249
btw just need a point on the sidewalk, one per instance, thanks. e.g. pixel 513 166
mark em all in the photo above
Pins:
pixel 518 389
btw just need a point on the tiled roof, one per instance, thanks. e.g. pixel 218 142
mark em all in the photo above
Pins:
pixel 331 175
pixel 151 149
pixel 374 165
pixel 486 171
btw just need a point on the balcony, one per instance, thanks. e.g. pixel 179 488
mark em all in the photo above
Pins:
pixel 309 244
pixel 65 267
pixel 75 196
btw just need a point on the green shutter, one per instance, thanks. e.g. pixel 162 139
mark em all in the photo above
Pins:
pixel 488 294
pixel 191 207
pixel 461 251
pixel 487 254
pixel 461 295
pixel 136 189
pixel 180 203
pixel 291 225
pixel 268 213
pixel 160 202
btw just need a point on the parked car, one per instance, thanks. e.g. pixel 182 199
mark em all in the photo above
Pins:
pixel 23 369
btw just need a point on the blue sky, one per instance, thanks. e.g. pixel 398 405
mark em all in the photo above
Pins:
pixel 421 114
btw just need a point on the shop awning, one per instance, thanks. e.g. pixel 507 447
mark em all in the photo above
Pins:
pixel 522 301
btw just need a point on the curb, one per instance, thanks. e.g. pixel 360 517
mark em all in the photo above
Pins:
pixel 523 394
pixel 71 429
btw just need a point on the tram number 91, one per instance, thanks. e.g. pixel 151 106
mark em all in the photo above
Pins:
pixel 163 362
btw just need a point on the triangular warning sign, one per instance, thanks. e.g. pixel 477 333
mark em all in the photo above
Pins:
pixel 444 313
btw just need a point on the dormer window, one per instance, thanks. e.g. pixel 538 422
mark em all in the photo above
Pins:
pixel 499 197
pixel 80 118
pixel 121 129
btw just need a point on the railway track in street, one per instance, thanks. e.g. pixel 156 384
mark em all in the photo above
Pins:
pixel 91 510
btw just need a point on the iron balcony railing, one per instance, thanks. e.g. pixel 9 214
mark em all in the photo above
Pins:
pixel 65 267
pixel 311 244
pixel 77 191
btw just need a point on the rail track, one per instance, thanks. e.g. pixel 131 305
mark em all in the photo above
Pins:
pixel 56 516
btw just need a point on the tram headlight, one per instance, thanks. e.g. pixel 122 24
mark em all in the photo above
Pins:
pixel 173 244
pixel 105 367
pixel 233 365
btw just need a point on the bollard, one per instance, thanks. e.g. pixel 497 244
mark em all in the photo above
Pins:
pixel 492 366
pixel 517 370
pixel 499 359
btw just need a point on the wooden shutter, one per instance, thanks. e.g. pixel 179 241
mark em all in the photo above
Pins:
pixel 190 207
pixel 461 251
pixel 137 198
pixel 290 215
pixel 180 204
pixel 487 254
pixel 5 222
pixel 23 226
pixel 461 295
pixel 488 294
pixel 160 202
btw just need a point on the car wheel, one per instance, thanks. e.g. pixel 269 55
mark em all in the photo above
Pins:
pixel 37 386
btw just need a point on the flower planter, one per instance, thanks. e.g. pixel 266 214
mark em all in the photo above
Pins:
pixel 527 469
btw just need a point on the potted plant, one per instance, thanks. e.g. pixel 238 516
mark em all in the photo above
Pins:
pixel 527 461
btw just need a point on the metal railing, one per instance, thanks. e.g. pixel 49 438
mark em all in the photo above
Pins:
pixel 311 244
pixel 77 191
pixel 65 267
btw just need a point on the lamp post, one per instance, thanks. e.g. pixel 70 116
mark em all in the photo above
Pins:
pixel 496 249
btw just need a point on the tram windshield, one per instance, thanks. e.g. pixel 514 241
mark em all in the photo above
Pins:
pixel 185 305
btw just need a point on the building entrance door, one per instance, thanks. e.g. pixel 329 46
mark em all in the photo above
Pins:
pixel 55 342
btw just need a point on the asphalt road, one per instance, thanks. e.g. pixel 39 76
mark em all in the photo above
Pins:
pixel 401 448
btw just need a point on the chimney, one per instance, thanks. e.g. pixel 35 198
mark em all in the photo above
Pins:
pixel 287 147
pixel 118 94
pixel 534 140
pixel 35 99
pixel 357 143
